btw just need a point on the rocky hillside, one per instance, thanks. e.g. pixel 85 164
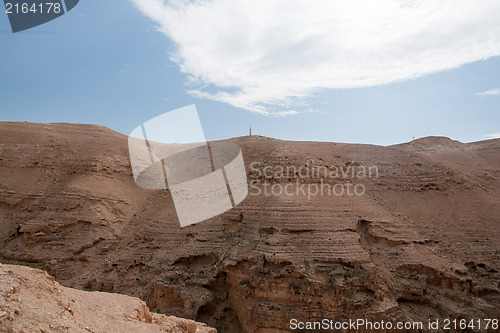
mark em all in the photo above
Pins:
pixel 31 301
pixel 406 232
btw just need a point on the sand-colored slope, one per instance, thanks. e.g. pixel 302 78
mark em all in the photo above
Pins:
pixel 31 301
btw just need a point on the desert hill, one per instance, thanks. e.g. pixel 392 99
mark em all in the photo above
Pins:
pixel 431 143
pixel 421 242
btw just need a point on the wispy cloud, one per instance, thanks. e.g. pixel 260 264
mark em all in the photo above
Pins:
pixel 493 136
pixel 492 92
pixel 269 56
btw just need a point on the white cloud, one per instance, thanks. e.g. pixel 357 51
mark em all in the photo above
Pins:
pixel 492 92
pixel 267 56
pixel 493 136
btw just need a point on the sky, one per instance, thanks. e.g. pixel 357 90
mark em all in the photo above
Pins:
pixel 360 71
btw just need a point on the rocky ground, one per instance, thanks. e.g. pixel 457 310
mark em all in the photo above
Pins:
pixel 31 301
pixel 421 243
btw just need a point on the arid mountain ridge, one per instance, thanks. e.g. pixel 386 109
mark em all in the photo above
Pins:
pixel 421 242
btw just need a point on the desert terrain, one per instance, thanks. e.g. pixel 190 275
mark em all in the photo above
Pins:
pixel 420 242
pixel 31 301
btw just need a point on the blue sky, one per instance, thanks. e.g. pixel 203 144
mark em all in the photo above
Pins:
pixel 107 63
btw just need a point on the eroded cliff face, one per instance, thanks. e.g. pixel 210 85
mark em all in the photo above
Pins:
pixel 31 301
pixel 420 243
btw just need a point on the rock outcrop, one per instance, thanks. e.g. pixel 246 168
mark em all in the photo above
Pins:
pixel 31 301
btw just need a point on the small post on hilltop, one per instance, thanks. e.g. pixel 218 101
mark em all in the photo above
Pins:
pixel 250 131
